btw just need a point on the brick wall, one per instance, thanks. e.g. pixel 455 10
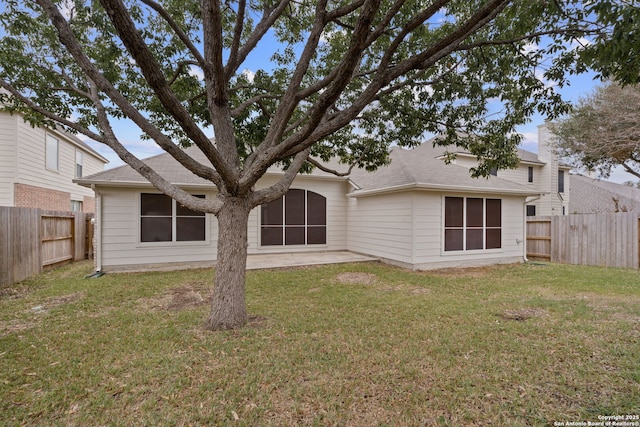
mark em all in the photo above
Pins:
pixel 89 204
pixel 28 196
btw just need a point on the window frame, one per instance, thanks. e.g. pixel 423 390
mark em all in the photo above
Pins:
pixel 79 164
pixel 174 223
pixel 469 227
pixel 530 208
pixel 49 139
pixel 288 229
pixel 76 206
pixel 561 181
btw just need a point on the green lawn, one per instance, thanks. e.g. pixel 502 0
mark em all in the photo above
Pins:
pixel 346 345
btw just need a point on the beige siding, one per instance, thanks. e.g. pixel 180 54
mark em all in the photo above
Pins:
pixel 31 162
pixel 520 175
pixel 382 226
pixel 407 229
pixel 552 203
pixel 335 193
pixel 120 230
pixel 120 235
pixel 7 158
pixel 90 165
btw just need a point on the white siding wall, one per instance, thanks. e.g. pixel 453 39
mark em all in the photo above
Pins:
pixel 520 175
pixel 120 234
pixel 121 249
pixel 429 234
pixel 335 193
pixel 382 226
pixel 8 155
pixel 407 229
pixel 31 162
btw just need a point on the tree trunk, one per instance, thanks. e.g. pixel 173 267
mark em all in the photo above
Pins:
pixel 228 309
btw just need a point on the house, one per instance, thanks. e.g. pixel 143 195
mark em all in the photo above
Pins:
pixel 38 165
pixel 589 195
pixel 417 212
pixel 541 172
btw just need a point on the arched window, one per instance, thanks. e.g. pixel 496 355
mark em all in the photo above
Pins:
pixel 297 218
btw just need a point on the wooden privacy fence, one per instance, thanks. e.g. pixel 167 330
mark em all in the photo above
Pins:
pixel 32 240
pixel 606 239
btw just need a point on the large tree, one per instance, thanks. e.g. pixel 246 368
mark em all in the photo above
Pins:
pixel 603 130
pixel 340 78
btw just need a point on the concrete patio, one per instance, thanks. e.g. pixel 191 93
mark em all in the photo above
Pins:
pixel 255 262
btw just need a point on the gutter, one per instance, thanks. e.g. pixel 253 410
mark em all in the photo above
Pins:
pixel 440 188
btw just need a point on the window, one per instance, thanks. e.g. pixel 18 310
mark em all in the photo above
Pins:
pixel 531 210
pixel 560 181
pixel 76 206
pixel 530 174
pixel 297 218
pixel 494 171
pixel 472 223
pixel 162 219
pixel 79 164
pixel 51 152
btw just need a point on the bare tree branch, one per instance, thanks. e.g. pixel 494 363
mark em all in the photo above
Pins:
pixel 203 205
pixel 323 168
pixel 268 194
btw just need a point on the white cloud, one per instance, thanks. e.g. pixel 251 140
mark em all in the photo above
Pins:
pixel 547 83
pixel 196 72
pixel 529 48
pixel 250 75
pixel 579 42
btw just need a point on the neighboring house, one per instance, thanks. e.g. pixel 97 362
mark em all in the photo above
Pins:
pixel 416 212
pixel 589 195
pixel 37 167
pixel 540 172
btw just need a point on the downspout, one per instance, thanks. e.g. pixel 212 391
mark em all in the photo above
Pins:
pixel 524 225
pixel 98 230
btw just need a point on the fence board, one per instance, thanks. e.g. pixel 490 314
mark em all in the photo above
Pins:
pixel 31 239
pixel 19 244
pixel 608 239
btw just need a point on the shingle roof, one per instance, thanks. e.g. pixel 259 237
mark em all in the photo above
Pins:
pixel 418 167
pixel 170 170
pixel 423 167
pixel 589 195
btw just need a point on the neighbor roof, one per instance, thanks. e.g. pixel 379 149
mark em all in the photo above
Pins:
pixel 589 195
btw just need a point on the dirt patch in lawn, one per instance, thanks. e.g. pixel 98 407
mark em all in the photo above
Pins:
pixel 523 314
pixel 354 278
pixel 64 299
pixel 35 312
pixel 180 298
